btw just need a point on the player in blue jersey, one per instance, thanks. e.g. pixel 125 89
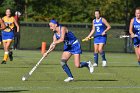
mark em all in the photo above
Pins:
pixel 71 47
pixel 99 29
pixel 134 30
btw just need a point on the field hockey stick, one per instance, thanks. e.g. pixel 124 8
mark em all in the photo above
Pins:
pixel 25 77
pixel 86 39
pixel 127 36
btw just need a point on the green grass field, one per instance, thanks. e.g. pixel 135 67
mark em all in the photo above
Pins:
pixel 121 75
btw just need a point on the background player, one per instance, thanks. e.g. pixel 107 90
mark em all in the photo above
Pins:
pixel 8 34
pixel 134 29
pixel 2 26
pixel 16 34
pixel 99 29
pixel 71 47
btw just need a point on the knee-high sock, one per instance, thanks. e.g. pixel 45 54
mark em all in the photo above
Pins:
pixel 103 55
pixel 139 62
pixel 5 58
pixel 67 70
pixel 83 64
pixel 96 58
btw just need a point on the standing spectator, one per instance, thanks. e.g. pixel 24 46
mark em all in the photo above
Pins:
pixel 17 34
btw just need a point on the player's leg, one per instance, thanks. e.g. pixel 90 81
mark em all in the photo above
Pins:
pixel 136 42
pixel 96 46
pixel 79 64
pixel 0 39
pixel 6 46
pixel 10 54
pixel 64 59
pixel 102 53
pixel 137 52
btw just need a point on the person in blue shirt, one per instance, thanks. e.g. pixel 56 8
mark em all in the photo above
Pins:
pixel 134 30
pixel 100 26
pixel 71 47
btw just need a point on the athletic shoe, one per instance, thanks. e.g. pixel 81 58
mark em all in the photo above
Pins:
pixel 104 63
pixel 11 56
pixel 95 65
pixel 69 79
pixel 3 62
pixel 90 66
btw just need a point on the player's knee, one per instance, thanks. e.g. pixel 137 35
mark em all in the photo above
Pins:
pixel 63 62
pixel 138 58
pixel 100 50
pixel 95 50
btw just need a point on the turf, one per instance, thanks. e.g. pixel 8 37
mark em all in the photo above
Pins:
pixel 121 75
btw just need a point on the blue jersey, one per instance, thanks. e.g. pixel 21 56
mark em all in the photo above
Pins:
pixel 136 27
pixel 69 37
pixel 71 44
pixel 136 30
pixel 99 27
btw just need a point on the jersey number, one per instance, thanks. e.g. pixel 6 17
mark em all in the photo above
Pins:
pixel 98 29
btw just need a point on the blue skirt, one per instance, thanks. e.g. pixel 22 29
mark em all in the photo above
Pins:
pixel 75 48
pixel 7 35
pixel 100 40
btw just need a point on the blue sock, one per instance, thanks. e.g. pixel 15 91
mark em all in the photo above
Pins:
pixel 103 55
pixel 83 64
pixel 96 58
pixel 67 70
pixel 139 62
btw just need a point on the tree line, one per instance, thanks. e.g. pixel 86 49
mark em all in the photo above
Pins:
pixel 79 11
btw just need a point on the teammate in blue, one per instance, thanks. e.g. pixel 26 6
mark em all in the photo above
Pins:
pixel 134 30
pixel 71 47
pixel 99 29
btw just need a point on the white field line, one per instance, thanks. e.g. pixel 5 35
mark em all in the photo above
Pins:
pixel 70 87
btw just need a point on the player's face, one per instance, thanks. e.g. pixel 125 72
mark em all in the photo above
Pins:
pixel 8 12
pixel 137 14
pixel 52 26
pixel 97 14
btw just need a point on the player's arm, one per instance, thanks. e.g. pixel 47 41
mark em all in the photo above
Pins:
pixel 2 24
pixel 16 25
pixel 108 27
pixel 63 31
pixel 52 47
pixel 92 31
pixel 131 28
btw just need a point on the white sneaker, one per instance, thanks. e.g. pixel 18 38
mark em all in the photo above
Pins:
pixel 95 65
pixel 68 79
pixel 104 63
pixel 91 68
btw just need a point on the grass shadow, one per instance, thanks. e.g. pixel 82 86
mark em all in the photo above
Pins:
pixel 109 80
pixel 10 91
